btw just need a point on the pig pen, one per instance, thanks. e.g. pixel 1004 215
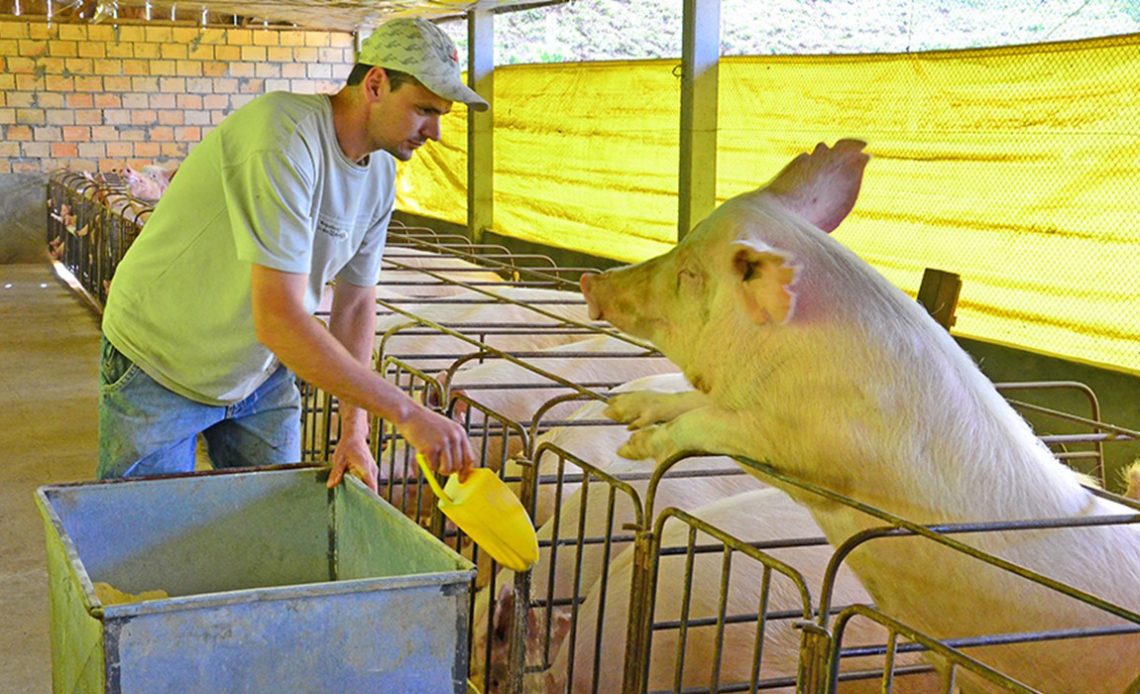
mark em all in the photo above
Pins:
pixel 559 627
pixel 524 621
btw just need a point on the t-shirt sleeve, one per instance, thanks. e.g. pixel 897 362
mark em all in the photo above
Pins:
pixel 268 196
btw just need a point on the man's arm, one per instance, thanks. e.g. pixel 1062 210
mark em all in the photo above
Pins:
pixel 319 357
pixel 353 323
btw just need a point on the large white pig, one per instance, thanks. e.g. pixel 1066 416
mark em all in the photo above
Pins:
pixel 764 515
pixel 809 359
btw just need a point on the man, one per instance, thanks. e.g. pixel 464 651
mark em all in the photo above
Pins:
pixel 211 312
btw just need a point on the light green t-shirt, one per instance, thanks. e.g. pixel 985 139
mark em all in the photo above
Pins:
pixel 270 185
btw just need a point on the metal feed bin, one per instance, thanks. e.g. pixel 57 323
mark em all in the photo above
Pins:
pixel 275 583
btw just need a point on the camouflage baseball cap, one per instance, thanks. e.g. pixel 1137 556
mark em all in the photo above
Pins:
pixel 421 49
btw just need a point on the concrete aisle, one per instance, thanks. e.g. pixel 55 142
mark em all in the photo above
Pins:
pixel 49 341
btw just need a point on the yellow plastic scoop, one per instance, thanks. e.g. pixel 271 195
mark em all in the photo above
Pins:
pixel 487 510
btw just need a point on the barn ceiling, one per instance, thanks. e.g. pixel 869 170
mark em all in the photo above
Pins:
pixel 346 15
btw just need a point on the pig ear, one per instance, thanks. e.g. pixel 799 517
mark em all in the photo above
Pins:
pixel 764 276
pixel 822 186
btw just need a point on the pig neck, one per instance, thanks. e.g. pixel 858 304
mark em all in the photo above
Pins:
pixel 908 425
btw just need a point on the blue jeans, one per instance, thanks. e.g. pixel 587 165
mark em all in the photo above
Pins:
pixel 146 429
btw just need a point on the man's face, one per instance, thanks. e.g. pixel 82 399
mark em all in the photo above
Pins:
pixel 402 120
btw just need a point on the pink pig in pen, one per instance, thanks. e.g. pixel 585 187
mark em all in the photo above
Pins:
pixel 806 357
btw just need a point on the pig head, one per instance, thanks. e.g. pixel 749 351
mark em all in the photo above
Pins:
pixel 807 358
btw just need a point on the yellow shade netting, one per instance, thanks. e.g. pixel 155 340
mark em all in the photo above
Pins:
pixel 1018 168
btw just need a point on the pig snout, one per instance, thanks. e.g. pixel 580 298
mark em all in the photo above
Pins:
pixel 587 282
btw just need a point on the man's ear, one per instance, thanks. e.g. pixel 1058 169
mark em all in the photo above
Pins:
pixel 374 81
pixel 764 276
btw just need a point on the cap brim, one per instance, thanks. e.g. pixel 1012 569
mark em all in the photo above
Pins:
pixel 457 91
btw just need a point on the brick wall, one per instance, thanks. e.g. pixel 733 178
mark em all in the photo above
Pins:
pixel 100 97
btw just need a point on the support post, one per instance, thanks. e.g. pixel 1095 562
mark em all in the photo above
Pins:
pixel 700 56
pixel 480 143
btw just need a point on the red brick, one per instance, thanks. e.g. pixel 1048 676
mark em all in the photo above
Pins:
pixel 36 149
pixel 120 149
pixel 147 149
pixel 252 86
pixel 107 67
pixel 92 49
pixel 13 30
pixel 101 33
pixel 341 40
pixel 80 100
pixel 215 101
pixel 148 85
pixel 26 167
pixel 241 69
pixel 130 134
pixel 163 68
pixel 267 70
pixel 214 70
pixel 59 84
pixel 162 101
pixel 22 133
pixel 122 49
pixel 239 37
pixel 255 54
pixel 171 117
pixel 64 149
pixel 188 134
pixel 7 116
pixel 265 37
pixel 105 133
pixel 63 49
pixel 79 66
pixel 135 101
pixel 60 116
pixel 191 102
pixel 117 116
pixel 31 83
pixel 201 52
pixel 154 34
pixel 227 53
pixel 162 133
pixel 117 83
pixel 20 99
pixel 108 101
pixel 73 32
pixel 92 150
pixel 34 49
pixel 186 35
pixel 30 116
pixel 135 67
pixel 305 55
pixel 293 70
pixel 199 85
pixel 21 65
pixel 145 117
pixel 279 55
pixel 43 32
pixel 172 84
pixel 48 133
pixel 147 50
pixel 291 38
pixel 175 150
pixel 50 100
pixel 88 117
pixel 132 33
pixel 86 83
pixel 173 51
pixel 317 39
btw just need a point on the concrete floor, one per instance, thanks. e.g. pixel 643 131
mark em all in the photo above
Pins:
pixel 49 343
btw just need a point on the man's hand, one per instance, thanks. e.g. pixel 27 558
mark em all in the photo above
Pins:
pixel 353 455
pixel 442 442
